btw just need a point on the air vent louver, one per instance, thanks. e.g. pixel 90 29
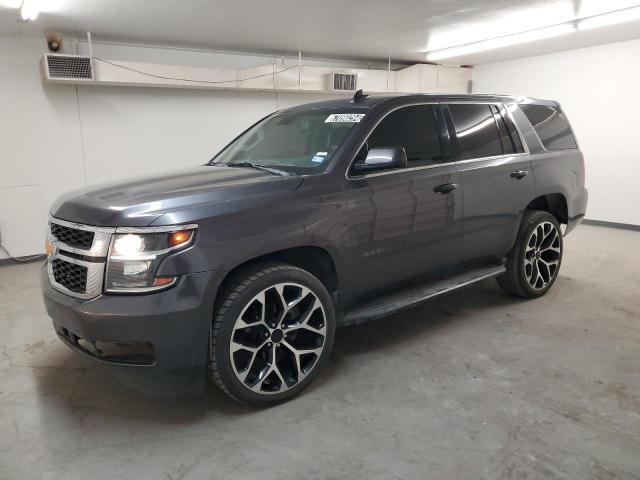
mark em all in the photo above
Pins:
pixel 68 67
pixel 345 81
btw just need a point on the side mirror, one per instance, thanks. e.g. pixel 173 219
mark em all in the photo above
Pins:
pixel 381 159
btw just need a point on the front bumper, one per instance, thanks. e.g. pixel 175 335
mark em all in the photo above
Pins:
pixel 172 326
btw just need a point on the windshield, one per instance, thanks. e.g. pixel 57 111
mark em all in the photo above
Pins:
pixel 298 141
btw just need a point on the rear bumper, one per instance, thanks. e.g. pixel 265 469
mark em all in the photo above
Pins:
pixel 171 327
pixel 577 209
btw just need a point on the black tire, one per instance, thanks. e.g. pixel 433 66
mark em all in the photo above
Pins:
pixel 524 261
pixel 240 295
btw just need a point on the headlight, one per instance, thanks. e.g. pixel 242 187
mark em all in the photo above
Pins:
pixel 136 253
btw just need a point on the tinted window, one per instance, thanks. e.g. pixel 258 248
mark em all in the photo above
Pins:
pixel 551 125
pixel 476 131
pixel 413 128
pixel 508 135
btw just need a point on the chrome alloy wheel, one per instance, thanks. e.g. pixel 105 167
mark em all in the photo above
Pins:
pixel 278 338
pixel 542 255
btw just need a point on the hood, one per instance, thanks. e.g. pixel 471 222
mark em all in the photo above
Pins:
pixel 140 201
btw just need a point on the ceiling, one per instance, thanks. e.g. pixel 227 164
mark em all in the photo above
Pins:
pixel 365 29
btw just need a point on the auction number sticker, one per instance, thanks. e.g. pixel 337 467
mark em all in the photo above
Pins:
pixel 319 157
pixel 344 118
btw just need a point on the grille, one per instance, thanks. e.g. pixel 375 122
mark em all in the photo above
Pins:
pixel 72 236
pixel 77 261
pixel 69 67
pixel 71 276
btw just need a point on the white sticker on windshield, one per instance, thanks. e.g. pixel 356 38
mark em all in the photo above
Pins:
pixel 319 157
pixel 344 118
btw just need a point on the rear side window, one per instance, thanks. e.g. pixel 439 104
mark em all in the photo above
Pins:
pixel 551 126
pixel 476 131
pixel 414 128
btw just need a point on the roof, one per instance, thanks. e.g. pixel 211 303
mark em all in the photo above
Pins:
pixel 380 100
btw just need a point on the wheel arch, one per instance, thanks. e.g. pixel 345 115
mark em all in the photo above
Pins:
pixel 315 260
pixel 553 203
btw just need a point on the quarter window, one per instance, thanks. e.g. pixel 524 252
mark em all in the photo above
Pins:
pixel 476 131
pixel 551 126
pixel 414 128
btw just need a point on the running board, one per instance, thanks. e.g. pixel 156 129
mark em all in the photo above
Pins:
pixel 381 307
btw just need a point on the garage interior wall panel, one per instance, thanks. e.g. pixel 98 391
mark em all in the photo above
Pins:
pixel 376 80
pixel 452 79
pixel 40 146
pixel 22 216
pixel 141 131
pixel 427 78
pixel 408 79
pixel 598 89
pixel 55 138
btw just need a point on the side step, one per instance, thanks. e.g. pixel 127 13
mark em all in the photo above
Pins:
pixel 381 307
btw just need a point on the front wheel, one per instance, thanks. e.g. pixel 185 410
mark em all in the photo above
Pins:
pixel 534 262
pixel 271 334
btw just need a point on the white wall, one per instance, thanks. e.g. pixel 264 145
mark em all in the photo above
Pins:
pixel 54 138
pixel 599 89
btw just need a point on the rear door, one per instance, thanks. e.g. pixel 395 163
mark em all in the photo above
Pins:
pixel 405 223
pixel 496 178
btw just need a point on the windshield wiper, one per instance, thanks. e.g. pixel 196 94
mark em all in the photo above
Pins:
pixel 273 171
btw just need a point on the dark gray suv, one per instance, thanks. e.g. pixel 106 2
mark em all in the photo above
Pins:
pixel 322 215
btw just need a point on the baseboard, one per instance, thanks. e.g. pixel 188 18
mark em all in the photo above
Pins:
pixel 623 226
pixel 16 260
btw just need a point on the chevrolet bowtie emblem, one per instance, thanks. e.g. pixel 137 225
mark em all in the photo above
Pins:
pixel 49 248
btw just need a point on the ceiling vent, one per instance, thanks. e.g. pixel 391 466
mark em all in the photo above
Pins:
pixel 76 68
pixel 345 81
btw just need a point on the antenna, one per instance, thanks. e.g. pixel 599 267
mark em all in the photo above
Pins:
pixel 359 96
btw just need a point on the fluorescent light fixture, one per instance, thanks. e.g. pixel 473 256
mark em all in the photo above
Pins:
pixel 501 42
pixel 505 22
pixel 30 10
pixel 613 18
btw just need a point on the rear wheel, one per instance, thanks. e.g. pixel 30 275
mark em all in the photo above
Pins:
pixel 271 334
pixel 534 262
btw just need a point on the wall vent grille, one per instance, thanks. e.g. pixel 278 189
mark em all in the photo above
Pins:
pixel 345 81
pixel 68 67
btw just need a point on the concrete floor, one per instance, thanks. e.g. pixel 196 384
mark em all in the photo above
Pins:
pixel 474 385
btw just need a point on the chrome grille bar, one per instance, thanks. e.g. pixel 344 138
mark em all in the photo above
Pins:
pixel 93 258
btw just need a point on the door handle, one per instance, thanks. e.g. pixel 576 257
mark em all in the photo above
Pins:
pixel 518 174
pixel 445 188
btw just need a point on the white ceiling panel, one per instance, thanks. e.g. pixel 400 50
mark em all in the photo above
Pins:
pixel 373 29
